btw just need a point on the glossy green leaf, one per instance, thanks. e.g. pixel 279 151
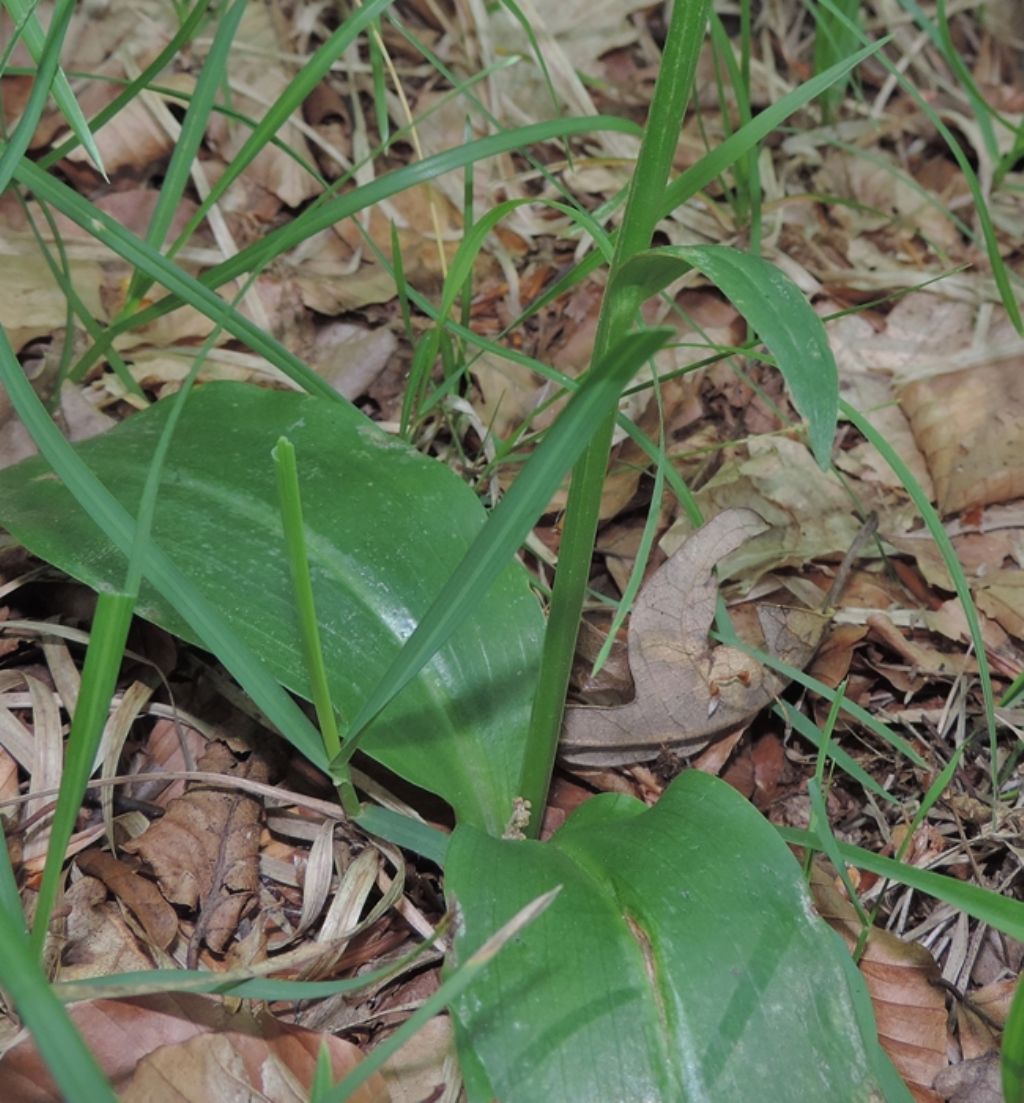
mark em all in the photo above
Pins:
pixel 681 961
pixel 385 527
pixel 777 311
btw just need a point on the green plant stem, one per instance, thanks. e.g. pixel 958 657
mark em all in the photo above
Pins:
pixel 305 605
pixel 654 163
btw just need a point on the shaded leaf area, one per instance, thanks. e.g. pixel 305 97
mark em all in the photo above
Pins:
pixel 191 1049
pixel 385 527
pixel 660 972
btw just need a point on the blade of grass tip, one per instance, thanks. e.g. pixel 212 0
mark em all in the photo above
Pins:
pixel 71 1065
pixel 174 47
pixel 186 147
pixel 509 523
pixel 290 499
pixel 23 13
pixel 14 149
pixel 650 175
pixel 76 307
pixel 990 907
pixel 99 676
pixel 444 997
pixel 643 553
pixel 215 634
pixel 949 557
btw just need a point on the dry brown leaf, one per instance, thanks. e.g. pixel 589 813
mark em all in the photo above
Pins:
pixel 808 513
pixel 140 896
pixel 152 1048
pixel 98 941
pixel 424 1065
pixel 909 1009
pixel 970 426
pixel 204 851
pixel 258 75
pixel 687 692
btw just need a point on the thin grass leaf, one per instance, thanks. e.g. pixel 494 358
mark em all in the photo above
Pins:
pixel 23 14
pixel 949 558
pixel 1011 1056
pixel 15 147
pixel 186 147
pixel 290 100
pixel 99 676
pixel 834 41
pixel 449 991
pixel 199 294
pixel 1001 912
pixel 510 522
pixel 806 728
pixel 1000 273
pixel 72 1066
pixel 184 34
pixel 643 204
pixel 10 897
pixel 775 309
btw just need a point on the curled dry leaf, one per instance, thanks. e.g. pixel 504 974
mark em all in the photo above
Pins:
pixel 204 851
pixel 187 1049
pixel 687 691
pixel 142 898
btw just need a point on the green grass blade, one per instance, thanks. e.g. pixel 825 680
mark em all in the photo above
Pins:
pixel 802 724
pixel 1000 273
pixel 186 148
pixel 71 1065
pixel 290 100
pixel 14 149
pixel 1001 912
pixel 643 208
pixel 99 676
pixel 1011 1058
pixel 198 293
pixel 186 289
pixel 952 564
pixel 456 983
pixel 775 309
pixel 834 40
pixel 713 164
pixel 510 522
pixel 22 11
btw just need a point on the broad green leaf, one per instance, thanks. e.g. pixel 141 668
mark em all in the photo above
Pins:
pixel 681 961
pixel 778 313
pixel 385 527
